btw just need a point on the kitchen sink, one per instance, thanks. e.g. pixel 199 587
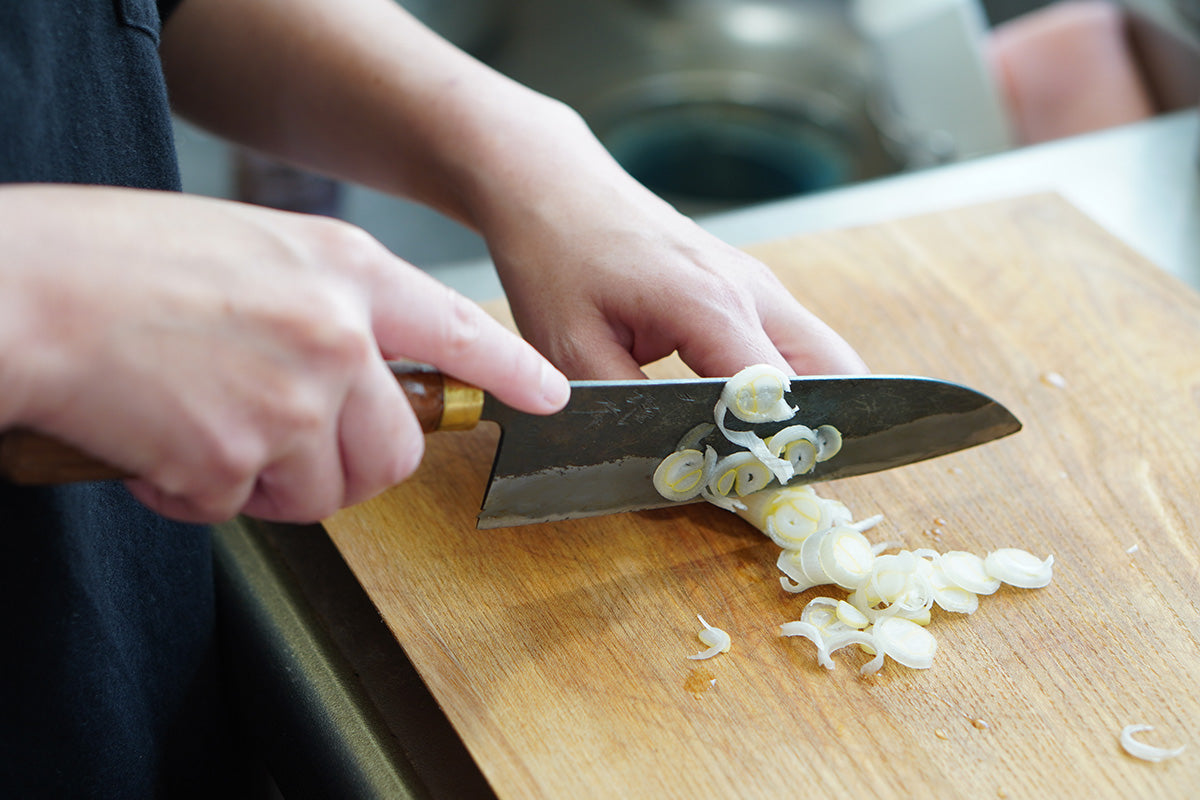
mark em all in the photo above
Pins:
pixel 711 103
pixel 716 104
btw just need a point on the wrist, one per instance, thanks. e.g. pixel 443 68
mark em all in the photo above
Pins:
pixel 19 337
pixel 40 314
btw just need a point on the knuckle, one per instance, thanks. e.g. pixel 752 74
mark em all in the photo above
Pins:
pixel 724 300
pixel 231 460
pixel 342 242
pixel 357 254
pixel 462 326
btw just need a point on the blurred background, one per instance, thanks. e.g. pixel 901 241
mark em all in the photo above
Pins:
pixel 724 104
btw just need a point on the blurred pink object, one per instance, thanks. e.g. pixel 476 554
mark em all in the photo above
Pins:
pixel 1068 69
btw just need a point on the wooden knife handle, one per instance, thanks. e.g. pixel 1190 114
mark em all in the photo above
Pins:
pixel 29 458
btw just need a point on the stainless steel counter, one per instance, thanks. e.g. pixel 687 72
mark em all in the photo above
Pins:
pixel 334 703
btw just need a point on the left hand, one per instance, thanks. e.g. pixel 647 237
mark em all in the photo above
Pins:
pixel 604 277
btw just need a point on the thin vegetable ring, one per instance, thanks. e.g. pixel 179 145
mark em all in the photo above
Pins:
pixel 682 475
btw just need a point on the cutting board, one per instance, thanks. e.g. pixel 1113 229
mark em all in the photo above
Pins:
pixel 559 651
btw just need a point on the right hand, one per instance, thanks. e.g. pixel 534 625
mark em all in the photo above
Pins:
pixel 231 357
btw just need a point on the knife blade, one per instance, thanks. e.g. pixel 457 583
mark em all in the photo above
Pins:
pixel 598 455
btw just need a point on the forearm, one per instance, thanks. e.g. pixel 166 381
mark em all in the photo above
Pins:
pixel 361 90
pixel 602 275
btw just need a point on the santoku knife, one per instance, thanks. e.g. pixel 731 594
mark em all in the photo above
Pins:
pixel 598 455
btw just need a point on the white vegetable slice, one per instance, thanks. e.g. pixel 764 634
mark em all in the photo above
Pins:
pixel 879 547
pixel 1144 751
pixel 810 632
pixel 797 445
pixel 810 557
pixel 793 579
pixel 821 613
pixel 949 595
pixel 846 557
pixel 728 503
pixel 756 394
pixel 792 586
pixel 866 525
pixel 682 475
pixel 829 616
pixel 829 442
pixel 898 585
pixel 691 440
pixel 1019 568
pixel 836 511
pixel 890 577
pixel 849 615
pixel 789 564
pixel 787 514
pixel 740 473
pixel 835 642
pixel 718 641
pixel 827 642
pixel 967 571
pixel 872 666
pixel 905 642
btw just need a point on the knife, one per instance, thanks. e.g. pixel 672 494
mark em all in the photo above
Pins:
pixel 598 455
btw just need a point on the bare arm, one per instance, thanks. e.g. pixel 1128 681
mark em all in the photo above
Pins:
pixel 602 276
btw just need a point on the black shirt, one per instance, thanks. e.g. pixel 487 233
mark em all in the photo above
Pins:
pixel 108 678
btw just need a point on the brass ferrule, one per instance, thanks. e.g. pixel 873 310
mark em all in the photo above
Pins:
pixel 462 405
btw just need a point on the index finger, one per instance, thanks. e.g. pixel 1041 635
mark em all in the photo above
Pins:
pixel 415 316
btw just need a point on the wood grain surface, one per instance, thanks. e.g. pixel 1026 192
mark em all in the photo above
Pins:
pixel 559 651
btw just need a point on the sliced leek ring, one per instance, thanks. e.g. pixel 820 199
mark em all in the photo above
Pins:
pixel 682 475
pixel 1019 568
pixel 796 444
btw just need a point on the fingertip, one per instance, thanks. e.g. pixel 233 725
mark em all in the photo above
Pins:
pixel 555 388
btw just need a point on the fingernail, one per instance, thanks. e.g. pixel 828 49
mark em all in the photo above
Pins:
pixel 556 390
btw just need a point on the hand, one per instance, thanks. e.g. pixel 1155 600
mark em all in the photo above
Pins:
pixel 229 356
pixel 603 278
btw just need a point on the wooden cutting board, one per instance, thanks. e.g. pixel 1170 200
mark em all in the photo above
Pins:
pixel 559 651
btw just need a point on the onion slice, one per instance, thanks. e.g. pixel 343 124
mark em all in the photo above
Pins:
pixel 756 394
pixel 796 444
pixel 951 596
pixel 845 556
pixel 1145 751
pixel 829 442
pixel 905 642
pixel 967 571
pixel 742 473
pixel 1019 568
pixel 813 634
pixel 683 474
pixel 787 514
pixel 718 641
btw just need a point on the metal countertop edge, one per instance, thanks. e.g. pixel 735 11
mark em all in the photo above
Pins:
pixel 301 700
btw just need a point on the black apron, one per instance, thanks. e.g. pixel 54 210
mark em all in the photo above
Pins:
pixel 108 673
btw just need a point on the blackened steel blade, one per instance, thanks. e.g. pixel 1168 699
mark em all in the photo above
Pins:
pixel 598 455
